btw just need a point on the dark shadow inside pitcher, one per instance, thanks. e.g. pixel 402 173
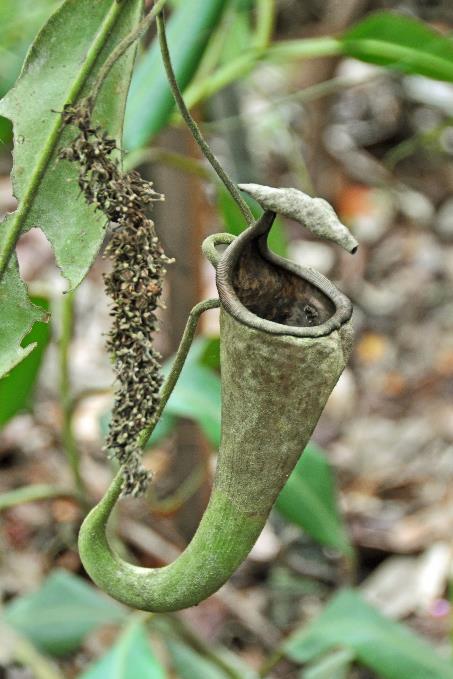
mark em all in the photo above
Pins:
pixel 275 293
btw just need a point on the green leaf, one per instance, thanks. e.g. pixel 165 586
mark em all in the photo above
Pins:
pixel 6 131
pixel 56 64
pixel 235 224
pixel 399 42
pixel 384 646
pixel 150 102
pixel 240 34
pixel 197 395
pixel 190 665
pixel 18 317
pixel 335 665
pixel 130 657
pixel 308 499
pixel 16 388
pixel 59 68
pixel 58 616
pixel 210 356
pixel 20 20
pixel 37 491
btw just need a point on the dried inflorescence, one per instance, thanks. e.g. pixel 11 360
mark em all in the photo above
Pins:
pixel 134 286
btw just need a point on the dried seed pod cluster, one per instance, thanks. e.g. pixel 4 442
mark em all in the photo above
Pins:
pixel 134 286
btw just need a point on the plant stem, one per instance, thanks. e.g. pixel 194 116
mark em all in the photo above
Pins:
pixel 200 90
pixel 280 52
pixel 178 363
pixel 14 225
pixel 67 434
pixel 39 491
pixel 192 125
pixel 122 47
pixel 170 382
pixel 41 667
pixel 308 48
pixel 265 19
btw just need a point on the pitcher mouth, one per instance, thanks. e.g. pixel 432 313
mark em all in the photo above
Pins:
pixel 270 293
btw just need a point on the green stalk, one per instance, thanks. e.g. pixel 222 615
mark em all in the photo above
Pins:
pixel 41 667
pixel 38 491
pixel 16 223
pixel 224 76
pixel 67 434
pixel 178 363
pixel 283 51
pixel 308 48
pixel 193 127
pixel 265 19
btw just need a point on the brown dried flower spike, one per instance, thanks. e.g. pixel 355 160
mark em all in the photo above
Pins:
pixel 134 286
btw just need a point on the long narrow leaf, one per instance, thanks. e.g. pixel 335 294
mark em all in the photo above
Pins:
pixel 309 500
pixel 150 102
pixel 386 647
pixel 396 41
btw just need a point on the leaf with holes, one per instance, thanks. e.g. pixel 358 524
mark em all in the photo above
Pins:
pixel 59 69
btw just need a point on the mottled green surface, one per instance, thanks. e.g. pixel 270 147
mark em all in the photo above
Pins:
pixel 274 388
pixel 273 391
pixel 222 541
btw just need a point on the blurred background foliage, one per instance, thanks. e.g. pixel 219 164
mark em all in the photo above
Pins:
pixel 351 101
